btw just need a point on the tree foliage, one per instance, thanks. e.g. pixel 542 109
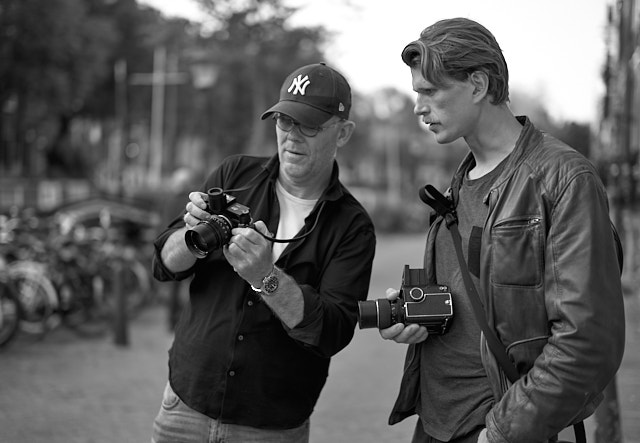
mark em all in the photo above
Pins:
pixel 255 49
pixel 54 53
pixel 58 59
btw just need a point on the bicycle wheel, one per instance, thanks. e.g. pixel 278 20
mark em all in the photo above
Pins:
pixel 83 312
pixel 37 296
pixel 130 277
pixel 136 284
pixel 9 313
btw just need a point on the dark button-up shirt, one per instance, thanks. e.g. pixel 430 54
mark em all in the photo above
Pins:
pixel 232 358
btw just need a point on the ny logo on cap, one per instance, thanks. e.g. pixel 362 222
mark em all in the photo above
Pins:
pixel 299 84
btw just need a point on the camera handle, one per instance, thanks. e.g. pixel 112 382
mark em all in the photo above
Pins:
pixel 446 208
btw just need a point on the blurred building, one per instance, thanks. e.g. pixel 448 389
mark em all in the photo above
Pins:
pixel 618 139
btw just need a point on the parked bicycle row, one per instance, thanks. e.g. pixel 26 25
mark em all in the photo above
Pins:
pixel 53 275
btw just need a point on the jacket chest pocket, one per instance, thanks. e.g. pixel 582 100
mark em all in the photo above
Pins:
pixel 517 252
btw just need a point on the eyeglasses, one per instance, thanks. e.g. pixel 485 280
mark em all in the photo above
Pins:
pixel 287 124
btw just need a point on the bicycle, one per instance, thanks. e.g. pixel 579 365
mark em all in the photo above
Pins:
pixel 81 302
pixel 70 276
pixel 120 262
pixel 10 312
pixel 37 296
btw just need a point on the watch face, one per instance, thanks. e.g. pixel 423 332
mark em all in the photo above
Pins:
pixel 270 284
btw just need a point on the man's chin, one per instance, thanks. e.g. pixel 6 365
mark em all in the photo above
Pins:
pixel 441 138
pixel 293 169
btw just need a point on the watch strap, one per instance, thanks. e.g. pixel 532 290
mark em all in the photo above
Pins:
pixel 270 283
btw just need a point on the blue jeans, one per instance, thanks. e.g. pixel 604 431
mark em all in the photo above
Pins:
pixel 178 423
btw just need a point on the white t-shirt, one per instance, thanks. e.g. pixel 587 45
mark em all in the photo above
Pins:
pixel 293 211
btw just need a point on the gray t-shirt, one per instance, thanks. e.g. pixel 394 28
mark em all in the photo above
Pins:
pixel 455 393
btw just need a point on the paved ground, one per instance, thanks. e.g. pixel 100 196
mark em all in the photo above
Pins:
pixel 63 389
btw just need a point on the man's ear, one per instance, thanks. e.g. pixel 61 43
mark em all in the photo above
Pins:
pixel 480 82
pixel 346 130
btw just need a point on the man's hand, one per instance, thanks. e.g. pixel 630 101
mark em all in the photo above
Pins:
pixel 196 209
pixel 250 253
pixel 409 334
pixel 175 255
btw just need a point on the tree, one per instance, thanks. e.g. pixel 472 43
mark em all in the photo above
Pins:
pixel 57 64
pixel 53 55
pixel 254 48
pixel 576 135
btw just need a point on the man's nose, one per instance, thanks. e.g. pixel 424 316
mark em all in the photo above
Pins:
pixel 421 107
pixel 295 134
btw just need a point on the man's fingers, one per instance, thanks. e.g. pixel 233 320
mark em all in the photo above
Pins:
pixel 197 198
pixel 391 332
pixel 408 334
pixel 392 294
pixel 261 227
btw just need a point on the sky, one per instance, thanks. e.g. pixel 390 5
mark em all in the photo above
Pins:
pixel 555 49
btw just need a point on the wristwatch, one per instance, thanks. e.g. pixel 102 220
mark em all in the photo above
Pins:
pixel 269 283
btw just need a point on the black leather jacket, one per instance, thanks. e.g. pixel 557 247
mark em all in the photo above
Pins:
pixel 550 284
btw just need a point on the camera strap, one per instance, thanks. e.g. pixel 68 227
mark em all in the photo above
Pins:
pixel 446 208
pixel 272 239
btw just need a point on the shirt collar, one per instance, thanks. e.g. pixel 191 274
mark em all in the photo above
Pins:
pixel 334 190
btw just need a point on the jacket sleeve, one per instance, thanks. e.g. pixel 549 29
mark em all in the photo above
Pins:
pixel 330 312
pixel 584 304
pixel 160 271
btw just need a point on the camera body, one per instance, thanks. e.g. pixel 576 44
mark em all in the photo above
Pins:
pixel 419 302
pixel 226 214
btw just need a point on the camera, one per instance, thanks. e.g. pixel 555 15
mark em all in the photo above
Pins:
pixel 212 234
pixel 419 302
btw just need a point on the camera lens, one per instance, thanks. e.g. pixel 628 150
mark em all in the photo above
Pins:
pixel 208 236
pixel 374 314
pixel 384 313
pixel 196 244
pixel 367 314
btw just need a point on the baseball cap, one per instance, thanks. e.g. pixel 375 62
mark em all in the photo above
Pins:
pixel 313 94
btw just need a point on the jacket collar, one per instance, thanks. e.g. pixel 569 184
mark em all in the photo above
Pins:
pixel 529 138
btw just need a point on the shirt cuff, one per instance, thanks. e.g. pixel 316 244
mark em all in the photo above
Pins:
pixel 160 271
pixel 309 329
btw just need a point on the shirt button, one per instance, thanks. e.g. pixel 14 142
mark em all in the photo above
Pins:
pixel 232 373
pixel 250 303
pixel 240 337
